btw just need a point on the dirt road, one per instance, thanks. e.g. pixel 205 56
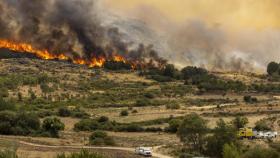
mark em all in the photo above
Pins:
pixel 88 147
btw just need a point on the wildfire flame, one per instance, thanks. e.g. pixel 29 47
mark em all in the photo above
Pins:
pixel 44 54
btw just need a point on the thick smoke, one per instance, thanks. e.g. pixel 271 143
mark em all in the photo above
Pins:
pixel 73 27
pixel 236 35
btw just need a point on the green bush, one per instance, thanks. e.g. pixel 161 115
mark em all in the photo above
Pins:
pixel 4 105
pixel 53 126
pixel 190 71
pixel 103 119
pixel 153 129
pixel 134 111
pixel 86 125
pixel 143 102
pixel 115 65
pixel 124 113
pixel 240 122
pixel 231 151
pixel 100 138
pixel 174 124
pixel 18 124
pixel 173 106
pixel 250 99
pixel 262 125
pixel 4 92
pixel 64 112
pixel 130 128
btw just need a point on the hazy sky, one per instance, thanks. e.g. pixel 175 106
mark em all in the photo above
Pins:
pixel 258 14
pixel 219 33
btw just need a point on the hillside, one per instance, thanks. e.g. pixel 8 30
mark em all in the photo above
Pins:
pixel 49 88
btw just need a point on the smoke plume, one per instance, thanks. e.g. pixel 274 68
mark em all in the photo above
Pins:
pixel 234 35
pixel 72 27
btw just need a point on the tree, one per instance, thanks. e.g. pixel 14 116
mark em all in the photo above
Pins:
pixel 230 151
pixel 53 126
pixel 169 70
pixel 240 122
pixel 272 68
pixel 192 131
pixel 190 71
pixel 7 122
pixel 174 124
pixel 26 123
pixel 222 134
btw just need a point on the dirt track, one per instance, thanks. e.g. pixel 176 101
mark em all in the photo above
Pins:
pixel 87 147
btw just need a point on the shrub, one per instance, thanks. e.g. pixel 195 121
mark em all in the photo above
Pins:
pixel 190 71
pixel 4 92
pixel 134 111
pixel 174 124
pixel 250 99
pixel 78 113
pixel 18 124
pixel 231 151
pixel 4 105
pixel 173 106
pixel 262 125
pixel 130 128
pixel 143 102
pixel 64 112
pixel 7 122
pixel 100 138
pixel 53 126
pixel 240 122
pixel 103 119
pixel 26 124
pixel 124 113
pixel 153 129
pixel 115 65
pixel 149 95
pixel 86 125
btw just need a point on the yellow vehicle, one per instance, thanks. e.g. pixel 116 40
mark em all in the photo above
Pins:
pixel 246 133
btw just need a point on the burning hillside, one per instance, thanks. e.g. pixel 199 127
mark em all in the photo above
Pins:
pixel 44 54
pixel 71 31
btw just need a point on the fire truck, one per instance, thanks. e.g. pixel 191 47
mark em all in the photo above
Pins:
pixel 250 133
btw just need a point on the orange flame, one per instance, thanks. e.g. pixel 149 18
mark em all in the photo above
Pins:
pixel 44 54
pixel 23 47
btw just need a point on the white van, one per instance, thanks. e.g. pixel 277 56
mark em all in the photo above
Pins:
pixel 147 152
